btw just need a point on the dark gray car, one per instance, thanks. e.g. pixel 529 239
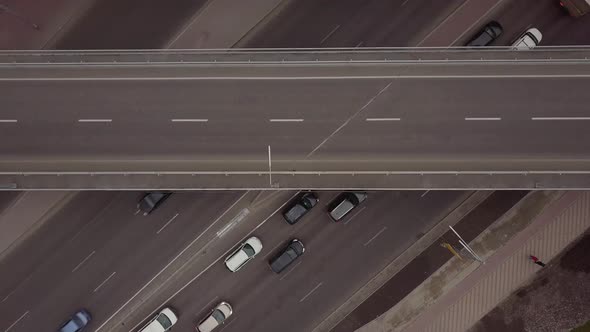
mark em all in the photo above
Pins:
pixel 488 34
pixel 300 207
pixel 78 321
pixel 150 201
pixel 287 256
pixel 344 203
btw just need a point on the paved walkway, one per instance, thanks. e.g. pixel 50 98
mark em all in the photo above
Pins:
pixel 462 292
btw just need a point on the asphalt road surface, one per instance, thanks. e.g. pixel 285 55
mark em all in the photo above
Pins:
pixel 95 253
pixel 339 258
pixel 325 114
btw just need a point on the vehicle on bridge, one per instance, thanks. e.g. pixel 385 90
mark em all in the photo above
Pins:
pixel 576 8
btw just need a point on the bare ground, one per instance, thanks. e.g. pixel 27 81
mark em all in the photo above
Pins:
pixel 557 299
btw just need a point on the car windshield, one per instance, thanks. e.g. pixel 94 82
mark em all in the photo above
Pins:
pixel 249 250
pixel 70 326
pixel 164 321
pixel 218 315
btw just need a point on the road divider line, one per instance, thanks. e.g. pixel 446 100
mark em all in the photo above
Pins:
pixel 329 34
pixel 16 322
pixel 166 224
pixel 310 292
pixel 205 308
pixel 171 262
pixel 482 119
pixel 375 236
pixel 404 3
pixel 382 119
pixel 8 121
pixel 562 118
pixel 359 44
pixel 425 193
pixel 285 120
pixel 272 250
pixel 83 261
pixel 104 282
pixel 287 273
pixel 354 215
pixel 95 120
pixel 234 221
pixel 189 120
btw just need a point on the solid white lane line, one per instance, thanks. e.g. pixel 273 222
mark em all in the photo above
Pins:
pixel 354 215
pixel 310 292
pixel 425 193
pixel 272 250
pixel 285 120
pixel 329 34
pixel 16 322
pixel 95 120
pixel 189 120
pixel 205 308
pixel 563 118
pixel 483 119
pixel 375 236
pixel 104 282
pixel 8 120
pixel 166 224
pixel 83 261
pixel 287 273
pixel 170 263
pixel 383 119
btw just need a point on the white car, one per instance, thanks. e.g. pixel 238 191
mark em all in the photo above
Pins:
pixel 245 252
pixel 530 39
pixel 215 318
pixel 162 322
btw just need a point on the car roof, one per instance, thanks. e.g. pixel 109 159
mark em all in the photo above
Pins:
pixel 155 326
pixel 209 323
pixel 237 259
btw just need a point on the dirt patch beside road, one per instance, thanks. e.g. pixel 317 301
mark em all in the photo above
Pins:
pixel 558 299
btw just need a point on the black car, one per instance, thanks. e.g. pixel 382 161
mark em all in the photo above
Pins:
pixel 344 203
pixel 287 256
pixel 300 207
pixel 488 34
pixel 150 201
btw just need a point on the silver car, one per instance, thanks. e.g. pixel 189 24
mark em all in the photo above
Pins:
pixel 245 252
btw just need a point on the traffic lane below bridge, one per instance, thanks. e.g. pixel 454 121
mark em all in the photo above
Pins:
pixel 109 259
pixel 368 239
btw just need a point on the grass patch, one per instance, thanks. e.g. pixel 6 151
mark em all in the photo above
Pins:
pixel 583 328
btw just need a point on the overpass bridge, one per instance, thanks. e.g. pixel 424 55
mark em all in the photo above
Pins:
pixel 435 118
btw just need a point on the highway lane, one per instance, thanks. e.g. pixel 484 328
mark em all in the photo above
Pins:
pixel 107 252
pixel 351 23
pixel 367 240
pixel 443 117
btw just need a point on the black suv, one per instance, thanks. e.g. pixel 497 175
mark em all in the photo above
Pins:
pixel 287 256
pixel 150 201
pixel 488 34
pixel 300 207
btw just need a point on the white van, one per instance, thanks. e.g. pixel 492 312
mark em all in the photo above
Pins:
pixel 530 39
